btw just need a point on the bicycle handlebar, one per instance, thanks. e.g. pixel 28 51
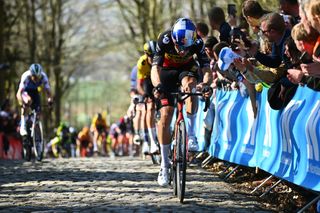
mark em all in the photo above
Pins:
pixel 184 95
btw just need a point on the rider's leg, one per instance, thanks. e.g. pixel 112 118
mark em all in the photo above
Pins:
pixel 144 130
pixel 189 84
pixel 164 135
pixel 137 127
pixel 95 140
pixel 27 101
pixel 54 145
pixel 151 126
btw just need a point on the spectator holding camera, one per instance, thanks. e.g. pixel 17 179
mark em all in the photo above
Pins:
pixel 274 29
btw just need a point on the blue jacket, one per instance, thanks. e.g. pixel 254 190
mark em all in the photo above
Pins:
pixel 277 55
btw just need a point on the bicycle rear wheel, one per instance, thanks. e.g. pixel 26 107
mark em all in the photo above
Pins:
pixel 26 149
pixel 181 160
pixel 37 138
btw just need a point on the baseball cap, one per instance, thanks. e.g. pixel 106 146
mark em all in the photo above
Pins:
pixel 226 57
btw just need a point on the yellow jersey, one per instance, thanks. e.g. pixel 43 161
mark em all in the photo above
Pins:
pixel 144 68
pixel 99 123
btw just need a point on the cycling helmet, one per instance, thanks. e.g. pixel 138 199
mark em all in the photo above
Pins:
pixel 150 47
pixel 36 70
pixel 184 33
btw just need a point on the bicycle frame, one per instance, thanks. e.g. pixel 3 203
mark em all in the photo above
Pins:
pixel 180 155
pixel 180 98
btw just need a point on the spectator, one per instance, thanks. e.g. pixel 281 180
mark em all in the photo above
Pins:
pixel 202 30
pixel 252 11
pixel 313 12
pixel 218 22
pixel 304 20
pixel 274 28
pixel 290 7
pixel 305 42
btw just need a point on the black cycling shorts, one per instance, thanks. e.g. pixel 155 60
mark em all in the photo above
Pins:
pixel 171 80
pixel 148 88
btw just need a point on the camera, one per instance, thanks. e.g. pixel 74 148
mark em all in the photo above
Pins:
pixel 237 36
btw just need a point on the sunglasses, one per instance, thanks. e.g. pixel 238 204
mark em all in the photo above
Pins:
pixel 182 48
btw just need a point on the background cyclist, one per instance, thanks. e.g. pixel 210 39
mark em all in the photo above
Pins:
pixel 173 63
pixel 145 88
pixel 99 129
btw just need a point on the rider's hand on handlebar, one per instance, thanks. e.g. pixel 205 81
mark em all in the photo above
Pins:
pixel 205 89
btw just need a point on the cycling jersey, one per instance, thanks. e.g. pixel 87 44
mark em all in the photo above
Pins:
pixel 144 68
pixel 167 56
pixel 26 84
pixel 133 78
pixel 99 123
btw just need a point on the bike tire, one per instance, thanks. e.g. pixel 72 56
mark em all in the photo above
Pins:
pixel 37 138
pixel 181 160
pixel 27 150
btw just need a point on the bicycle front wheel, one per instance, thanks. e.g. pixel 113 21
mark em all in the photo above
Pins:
pixel 181 158
pixel 38 143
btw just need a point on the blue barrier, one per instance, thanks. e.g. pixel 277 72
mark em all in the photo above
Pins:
pixel 284 143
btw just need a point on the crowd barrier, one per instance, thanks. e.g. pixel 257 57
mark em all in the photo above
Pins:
pixel 284 142
pixel 10 147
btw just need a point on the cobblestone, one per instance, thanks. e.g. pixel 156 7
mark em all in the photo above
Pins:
pixel 110 185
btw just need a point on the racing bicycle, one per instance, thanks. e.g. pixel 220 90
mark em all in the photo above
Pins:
pixel 34 137
pixel 180 144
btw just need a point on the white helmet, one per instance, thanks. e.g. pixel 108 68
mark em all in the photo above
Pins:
pixel 36 70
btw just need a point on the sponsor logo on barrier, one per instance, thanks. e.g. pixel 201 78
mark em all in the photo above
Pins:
pixel 286 160
pixel 268 139
pixel 314 169
pixel 252 123
pixel 246 150
pixel 311 132
pixel 286 117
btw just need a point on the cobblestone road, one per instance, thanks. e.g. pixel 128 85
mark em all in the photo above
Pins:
pixel 110 185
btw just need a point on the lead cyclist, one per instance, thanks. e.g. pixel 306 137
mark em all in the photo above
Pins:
pixel 28 92
pixel 174 64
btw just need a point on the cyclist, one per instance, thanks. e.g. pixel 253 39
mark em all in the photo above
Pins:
pixel 145 88
pixel 174 64
pixel 137 111
pixel 99 129
pixel 28 92
pixel 60 141
pixel 84 143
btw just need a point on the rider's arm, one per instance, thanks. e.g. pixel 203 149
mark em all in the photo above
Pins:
pixel 207 75
pixel 155 77
pixel 24 79
pixel 47 86
pixel 157 61
pixel 140 87
pixel 141 73
pixel 19 96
